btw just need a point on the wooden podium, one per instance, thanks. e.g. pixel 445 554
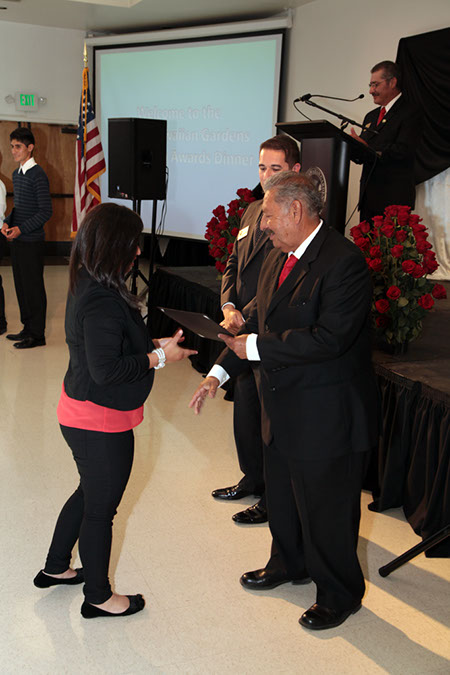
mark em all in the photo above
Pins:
pixel 326 152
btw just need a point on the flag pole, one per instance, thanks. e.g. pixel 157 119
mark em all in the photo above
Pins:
pixel 89 158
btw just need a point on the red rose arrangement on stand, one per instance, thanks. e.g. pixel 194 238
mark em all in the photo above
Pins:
pixel 222 229
pixel 399 257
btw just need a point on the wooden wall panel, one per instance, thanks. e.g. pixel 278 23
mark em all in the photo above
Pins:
pixel 55 152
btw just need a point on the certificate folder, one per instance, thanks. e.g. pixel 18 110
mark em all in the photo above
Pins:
pixel 200 324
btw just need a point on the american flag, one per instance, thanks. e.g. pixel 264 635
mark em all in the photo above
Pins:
pixel 89 159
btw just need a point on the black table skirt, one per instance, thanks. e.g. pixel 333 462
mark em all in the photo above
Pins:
pixel 413 458
pixel 411 468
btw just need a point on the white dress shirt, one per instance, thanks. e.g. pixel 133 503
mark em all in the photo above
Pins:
pixel 389 105
pixel 27 165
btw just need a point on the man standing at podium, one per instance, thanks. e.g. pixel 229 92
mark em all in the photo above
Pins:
pixel 240 278
pixel 393 130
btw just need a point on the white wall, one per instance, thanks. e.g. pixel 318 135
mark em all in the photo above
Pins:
pixel 334 43
pixel 331 48
pixel 46 61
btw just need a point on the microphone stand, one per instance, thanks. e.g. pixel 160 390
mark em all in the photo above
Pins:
pixel 343 119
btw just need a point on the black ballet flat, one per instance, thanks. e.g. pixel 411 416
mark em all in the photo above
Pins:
pixel 89 611
pixel 42 580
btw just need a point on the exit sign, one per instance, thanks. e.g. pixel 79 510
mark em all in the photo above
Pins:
pixel 26 101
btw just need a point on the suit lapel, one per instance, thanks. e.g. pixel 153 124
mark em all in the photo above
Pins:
pixel 297 274
pixel 252 250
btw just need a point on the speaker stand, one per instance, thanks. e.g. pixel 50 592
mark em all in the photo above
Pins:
pixel 135 272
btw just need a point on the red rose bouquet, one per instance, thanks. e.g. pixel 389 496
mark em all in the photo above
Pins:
pixel 222 229
pixel 399 257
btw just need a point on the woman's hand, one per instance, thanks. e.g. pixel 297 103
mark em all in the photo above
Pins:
pixel 172 349
pixel 161 342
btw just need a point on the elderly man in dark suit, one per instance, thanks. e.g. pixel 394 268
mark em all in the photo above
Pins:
pixel 308 330
pixel 393 130
pixel 238 290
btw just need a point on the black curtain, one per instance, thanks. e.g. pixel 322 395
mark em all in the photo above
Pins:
pixel 425 63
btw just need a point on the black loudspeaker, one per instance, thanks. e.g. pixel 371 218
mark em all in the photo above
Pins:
pixel 137 158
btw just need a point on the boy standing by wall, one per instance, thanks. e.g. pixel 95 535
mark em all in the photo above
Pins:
pixel 24 229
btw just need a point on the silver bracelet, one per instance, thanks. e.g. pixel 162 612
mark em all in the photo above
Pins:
pixel 161 357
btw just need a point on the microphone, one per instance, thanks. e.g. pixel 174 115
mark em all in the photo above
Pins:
pixel 305 97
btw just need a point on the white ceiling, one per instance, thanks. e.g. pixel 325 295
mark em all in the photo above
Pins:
pixel 145 15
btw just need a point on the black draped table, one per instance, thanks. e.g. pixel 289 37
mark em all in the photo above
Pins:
pixel 411 468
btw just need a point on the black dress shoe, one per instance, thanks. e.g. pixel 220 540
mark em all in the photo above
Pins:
pixel 29 343
pixel 89 611
pixel 233 492
pixel 251 516
pixel 18 336
pixel 42 580
pixel 319 617
pixel 262 580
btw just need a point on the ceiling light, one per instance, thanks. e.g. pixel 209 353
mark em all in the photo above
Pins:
pixel 111 3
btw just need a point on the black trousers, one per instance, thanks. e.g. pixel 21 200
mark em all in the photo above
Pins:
pixel 314 512
pixel 28 269
pixel 2 292
pixel 2 305
pixel 104 462
pixel 247 432
pixel 371 203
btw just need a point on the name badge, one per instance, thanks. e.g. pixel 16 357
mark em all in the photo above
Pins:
pixel 242 233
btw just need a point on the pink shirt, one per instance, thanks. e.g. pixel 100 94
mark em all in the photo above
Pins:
pixel 93 417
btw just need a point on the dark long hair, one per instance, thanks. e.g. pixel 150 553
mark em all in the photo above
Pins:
pixel 106 245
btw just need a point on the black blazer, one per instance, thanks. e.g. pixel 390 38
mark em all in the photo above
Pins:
pixel 240 278
pixel 317 385
pixel 108 346
pixel 392 180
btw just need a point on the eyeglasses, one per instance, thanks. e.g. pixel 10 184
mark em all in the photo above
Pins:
pixel 375 85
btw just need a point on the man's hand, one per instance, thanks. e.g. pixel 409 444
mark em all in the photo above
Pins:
pixel 12 233
pixel 233 319
pixel 5 228
pixel 354 135
pixel 237 344
pixel 207 388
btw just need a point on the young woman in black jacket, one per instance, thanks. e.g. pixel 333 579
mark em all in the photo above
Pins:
pixel 110 375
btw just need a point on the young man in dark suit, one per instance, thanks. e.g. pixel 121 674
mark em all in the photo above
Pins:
pixel 238 290
pixel 308 330
pixel 393 130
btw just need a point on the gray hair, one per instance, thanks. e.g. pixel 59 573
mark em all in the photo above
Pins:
pixel 290 185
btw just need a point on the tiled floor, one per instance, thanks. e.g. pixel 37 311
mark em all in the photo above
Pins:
pixel 180 548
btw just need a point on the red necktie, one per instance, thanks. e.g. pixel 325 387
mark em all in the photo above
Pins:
pixel 287 267
pixel 381 115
